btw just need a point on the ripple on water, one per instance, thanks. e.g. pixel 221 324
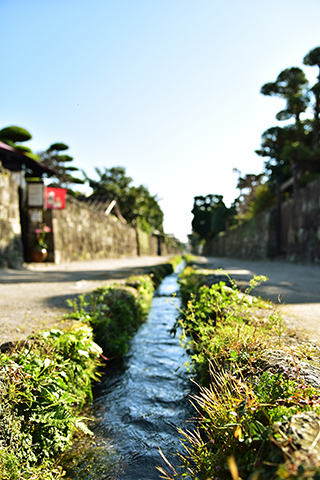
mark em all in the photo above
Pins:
pixel 140 403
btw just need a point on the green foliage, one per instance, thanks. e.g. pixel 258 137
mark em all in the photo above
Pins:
pixel 52 158
pixel 210 215
pixel 211 316
pixel 189 259
pixel 241 420
pixel 112 181
pixel 291 85
pixel 137 205
pixel 313 57
pixel 44 385
pixel 248 186
pixel 158 272
pixel 115 312
pixel 175 261
pixel 33 156
pixel 242 407
pixel 277 323
pixel 264 199
pixel 273 142
pixel 296 147
pixel 190 281
pixel 58 147
pixel 195 242
pixel 23 148
pixel 14 134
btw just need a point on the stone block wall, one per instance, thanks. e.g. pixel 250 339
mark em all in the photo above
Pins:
pixel 252 239
pixel 153 245
pixel 11 250
pixel 83 233
pixel 171 249
pixel 303 232
pixel 79 232
pixel 256 239
pixel 143 242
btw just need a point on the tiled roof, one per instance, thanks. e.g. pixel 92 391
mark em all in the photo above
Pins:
pixel 13 159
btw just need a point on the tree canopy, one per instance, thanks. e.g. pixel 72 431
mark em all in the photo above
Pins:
pixel 14 136
pixel 210 215
pixel 294 150
pixel 312 59
pixel 137 205
pixel 53 159
pixel 291 85
pixel 291 151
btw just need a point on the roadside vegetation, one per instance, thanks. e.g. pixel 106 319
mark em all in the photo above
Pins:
pixel 46 380
pixel 258 400
pixel 115 311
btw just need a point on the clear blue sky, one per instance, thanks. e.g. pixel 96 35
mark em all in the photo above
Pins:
pixel 168 89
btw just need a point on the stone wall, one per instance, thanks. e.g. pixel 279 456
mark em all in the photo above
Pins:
pixel 149 244
pixel 81 233
pixel 11 250
pixel 143 242
pixel 252 239
pixel 153 245
pixel 256 239
pixel 302 213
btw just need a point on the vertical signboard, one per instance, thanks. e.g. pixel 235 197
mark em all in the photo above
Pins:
pixel 36 194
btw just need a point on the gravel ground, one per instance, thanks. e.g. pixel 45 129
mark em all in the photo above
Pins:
pixel 294 288
pixel 34 297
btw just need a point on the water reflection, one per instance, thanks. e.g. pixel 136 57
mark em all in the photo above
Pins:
pixel 140 403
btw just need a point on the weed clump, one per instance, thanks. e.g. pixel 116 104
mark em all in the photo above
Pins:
pixel 44 385
pixel 247 409
pixel 115 312
pixel 46 379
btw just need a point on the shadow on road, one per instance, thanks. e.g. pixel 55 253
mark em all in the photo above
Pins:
pixel 287 283
pixel 54 276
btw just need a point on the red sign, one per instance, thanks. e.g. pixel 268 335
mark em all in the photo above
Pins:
pixel 55 198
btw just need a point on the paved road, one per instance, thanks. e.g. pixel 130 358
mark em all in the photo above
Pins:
pixel 35 297
pixel 295 288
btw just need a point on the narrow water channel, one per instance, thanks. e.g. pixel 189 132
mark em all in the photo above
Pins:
pixel 140 402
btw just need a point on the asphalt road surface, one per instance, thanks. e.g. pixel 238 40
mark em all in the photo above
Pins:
pixel 35 297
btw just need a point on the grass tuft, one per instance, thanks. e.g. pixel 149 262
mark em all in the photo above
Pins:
pixel 247 409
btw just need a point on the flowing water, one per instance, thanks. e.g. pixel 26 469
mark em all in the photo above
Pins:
pixel 140 402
